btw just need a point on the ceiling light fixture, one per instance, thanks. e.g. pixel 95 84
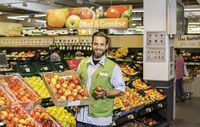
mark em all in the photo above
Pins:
pixel 191 9
pixel 138 10
pixel 14 18
pixel 41 21
pixel 137 18
pixel 39 15
pixel 194 23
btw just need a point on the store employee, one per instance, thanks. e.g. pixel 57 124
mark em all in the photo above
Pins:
pixel 54 57
pixel 99 70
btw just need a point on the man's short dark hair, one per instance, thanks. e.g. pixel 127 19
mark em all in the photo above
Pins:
pixel 101 34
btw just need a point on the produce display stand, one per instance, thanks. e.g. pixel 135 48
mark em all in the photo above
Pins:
pixel 123 116
pixel 26 68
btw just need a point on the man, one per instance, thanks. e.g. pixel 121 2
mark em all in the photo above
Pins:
pixel 179 75
pixel 99 70
pixel 54 57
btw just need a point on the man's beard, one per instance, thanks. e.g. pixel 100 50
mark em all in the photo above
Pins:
pixel 98 55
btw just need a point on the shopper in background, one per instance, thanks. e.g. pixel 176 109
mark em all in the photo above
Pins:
pixel 98 70
pixel 54 57
pixel 179 75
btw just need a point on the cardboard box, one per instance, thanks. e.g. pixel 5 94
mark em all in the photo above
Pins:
pixel 63 103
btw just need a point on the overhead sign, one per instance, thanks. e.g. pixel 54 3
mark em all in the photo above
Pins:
pixel 118 16
pixel 188 41
pixel 103 23
pixel 10 29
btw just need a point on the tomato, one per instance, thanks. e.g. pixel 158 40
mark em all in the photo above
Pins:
pixel 112 13
pixel 98 88
pixel 86 13
pixel 116 11
pixel 121 8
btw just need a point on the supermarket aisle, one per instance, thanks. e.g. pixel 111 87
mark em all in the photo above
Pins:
pixel 187 113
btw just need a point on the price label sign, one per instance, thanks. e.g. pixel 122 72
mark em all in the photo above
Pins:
pixel 74 103
pixel 27 69
pixel 61 66
pixel 45 68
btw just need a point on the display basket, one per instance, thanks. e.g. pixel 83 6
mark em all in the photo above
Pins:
pixel 152 120
pixel 63 102
pixel 19 116
pixel 155 94
pixel 11 81
pixel 42 117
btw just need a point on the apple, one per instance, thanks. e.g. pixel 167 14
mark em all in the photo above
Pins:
pixel 76 81
pixel 70 97
pixel 84 94
pixel 74 94
pixel 72 84
pixel 75 91
pixel 64 85
pixel 58 86
pixel 78 87
pixel 72 21
pixel 67 92
pixel 70 88
pixel 99 88
pixel 78 97
pixel 86 13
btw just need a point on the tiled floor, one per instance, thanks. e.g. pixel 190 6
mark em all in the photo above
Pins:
pixel 187 113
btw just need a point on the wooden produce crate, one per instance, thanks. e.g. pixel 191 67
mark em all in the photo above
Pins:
pixel 65 88
pixel 22 93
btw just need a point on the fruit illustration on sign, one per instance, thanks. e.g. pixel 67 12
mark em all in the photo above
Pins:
pixel 87 13
pixel 116 11
pixel 72 21
pixel 57 17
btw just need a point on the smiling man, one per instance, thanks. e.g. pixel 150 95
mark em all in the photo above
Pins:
pixel 97 70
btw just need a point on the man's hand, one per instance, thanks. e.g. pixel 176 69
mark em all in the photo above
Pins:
pixel 100 94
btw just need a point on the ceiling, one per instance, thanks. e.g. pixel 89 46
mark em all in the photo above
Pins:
pixel 31 7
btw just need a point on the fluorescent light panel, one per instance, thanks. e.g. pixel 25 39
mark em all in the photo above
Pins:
pixel 194 23
pixel 138 10
pixel 39 15
pixel 15 18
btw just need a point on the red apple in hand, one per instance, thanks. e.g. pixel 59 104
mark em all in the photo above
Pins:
pixel 99 88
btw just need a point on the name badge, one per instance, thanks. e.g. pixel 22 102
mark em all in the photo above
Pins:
pixel 103 74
